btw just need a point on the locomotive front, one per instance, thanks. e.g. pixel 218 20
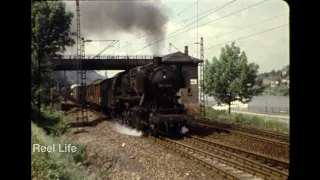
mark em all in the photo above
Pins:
pixel 164 80
pixel 167 115
pixel 146 98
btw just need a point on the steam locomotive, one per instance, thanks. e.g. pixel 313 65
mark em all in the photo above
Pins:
pixel 144 97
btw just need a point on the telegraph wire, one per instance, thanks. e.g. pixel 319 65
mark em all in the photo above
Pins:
pixel 247 36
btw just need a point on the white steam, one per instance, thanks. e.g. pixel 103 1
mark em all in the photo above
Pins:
pixel 184 130
pixel 122 129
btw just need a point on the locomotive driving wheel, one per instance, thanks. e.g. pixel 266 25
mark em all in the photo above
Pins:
pixel 119 118
pixel 137 123
pixel 127 118
pixel 134 120
pixel 154 127
pixel 155 131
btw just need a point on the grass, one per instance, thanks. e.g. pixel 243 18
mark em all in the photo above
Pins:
pixel 254 121
pixel 46 127
pixel 50 120
pixel 56 165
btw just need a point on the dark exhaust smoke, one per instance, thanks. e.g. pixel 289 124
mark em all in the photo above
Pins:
pixel 104 19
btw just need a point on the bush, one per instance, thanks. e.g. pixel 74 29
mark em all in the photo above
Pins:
pixel 55 165
pixel 50 120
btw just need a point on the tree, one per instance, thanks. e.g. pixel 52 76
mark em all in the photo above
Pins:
pixel 231 77
pixel 259 81
pixel 50 33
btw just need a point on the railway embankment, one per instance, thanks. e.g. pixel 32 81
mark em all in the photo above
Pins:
pixel 52 157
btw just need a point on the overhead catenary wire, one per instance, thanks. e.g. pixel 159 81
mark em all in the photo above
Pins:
pixel 213 9
pixel 221 17
pixel 183 21
pixel 246 26
pixel 152 31
pixel 106 48
pixel 196 21
pixel 166 37
pixel 169 20
pixel 247 36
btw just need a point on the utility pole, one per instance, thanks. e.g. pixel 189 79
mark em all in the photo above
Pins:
pixel 197 28
pixel 126 48
pixel 81 74
pixel 202 96
pixel 64 85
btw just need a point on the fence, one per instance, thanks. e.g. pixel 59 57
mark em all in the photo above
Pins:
pixel 265 109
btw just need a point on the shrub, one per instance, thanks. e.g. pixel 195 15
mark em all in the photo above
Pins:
pixel 55 165
pixel 50 120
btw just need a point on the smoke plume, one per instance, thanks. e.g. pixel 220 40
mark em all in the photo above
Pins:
pixel 126 130
pixel 100 19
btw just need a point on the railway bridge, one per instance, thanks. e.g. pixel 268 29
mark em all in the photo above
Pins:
pixel 109 62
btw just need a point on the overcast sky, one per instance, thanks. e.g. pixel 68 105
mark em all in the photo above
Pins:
pixel 269 49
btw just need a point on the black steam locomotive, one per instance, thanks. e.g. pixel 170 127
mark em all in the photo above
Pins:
pixel 144 98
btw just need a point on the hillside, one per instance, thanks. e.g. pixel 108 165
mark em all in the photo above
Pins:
pixel 72 76
pixel 282 73
pixel 276 82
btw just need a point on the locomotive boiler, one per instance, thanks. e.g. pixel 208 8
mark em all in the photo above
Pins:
pixel 146 98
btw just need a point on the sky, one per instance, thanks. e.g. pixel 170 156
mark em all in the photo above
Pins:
pixel 262 30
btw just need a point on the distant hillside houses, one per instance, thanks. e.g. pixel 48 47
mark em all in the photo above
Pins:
pixel 275 81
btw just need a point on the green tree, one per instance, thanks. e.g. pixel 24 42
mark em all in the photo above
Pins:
pixel 231 77
pixel 259 81
pixel 50 33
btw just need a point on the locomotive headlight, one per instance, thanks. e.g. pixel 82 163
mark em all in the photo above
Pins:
pixel 164 76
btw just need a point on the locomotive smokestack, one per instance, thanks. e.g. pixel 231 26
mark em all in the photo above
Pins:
pixel 157 61
pixel 186 50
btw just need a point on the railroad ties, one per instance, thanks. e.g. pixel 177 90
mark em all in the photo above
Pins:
pixel 228 163
pixel 232 162
pixel 249 130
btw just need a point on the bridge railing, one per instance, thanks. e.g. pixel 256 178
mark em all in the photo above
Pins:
pixel 108 57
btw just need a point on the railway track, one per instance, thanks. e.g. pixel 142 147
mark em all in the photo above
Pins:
pixel 247 135
pixel 256 131
pixel 271 165
pixel 230 166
